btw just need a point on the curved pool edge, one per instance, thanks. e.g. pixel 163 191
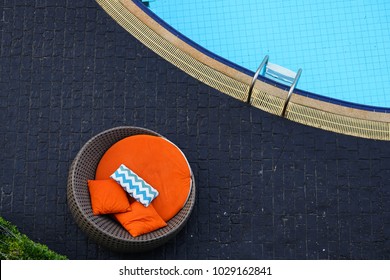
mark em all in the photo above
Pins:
pixel 235 83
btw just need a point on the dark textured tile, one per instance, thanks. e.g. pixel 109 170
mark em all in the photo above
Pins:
pixel 268 188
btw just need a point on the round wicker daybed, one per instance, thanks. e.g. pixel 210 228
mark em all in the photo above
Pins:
pixel 103 229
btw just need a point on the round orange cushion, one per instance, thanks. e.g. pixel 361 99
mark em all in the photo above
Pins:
pixel 156 160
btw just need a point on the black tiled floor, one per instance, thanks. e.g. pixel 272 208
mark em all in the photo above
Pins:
pixel 268 188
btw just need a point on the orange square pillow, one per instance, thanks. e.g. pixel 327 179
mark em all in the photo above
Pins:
pixel 108 197
pixel 140 219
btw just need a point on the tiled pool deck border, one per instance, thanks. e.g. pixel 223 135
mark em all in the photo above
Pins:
pixel 235 82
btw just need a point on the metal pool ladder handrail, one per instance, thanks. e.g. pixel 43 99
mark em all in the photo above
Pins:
pixel 277 72
pixel 292 87
pixel 259 69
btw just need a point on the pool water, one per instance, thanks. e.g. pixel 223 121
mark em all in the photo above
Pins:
pixel 343 46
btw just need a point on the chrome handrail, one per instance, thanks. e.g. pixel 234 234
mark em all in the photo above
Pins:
pixel 290 92
pixel 261 66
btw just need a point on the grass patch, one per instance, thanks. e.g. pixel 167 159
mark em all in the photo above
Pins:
pixel 17 246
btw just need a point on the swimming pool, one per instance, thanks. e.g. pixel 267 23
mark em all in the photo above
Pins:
pixel 343 47
pixel 225 72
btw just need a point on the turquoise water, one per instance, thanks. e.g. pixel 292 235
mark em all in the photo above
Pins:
pixel 342 46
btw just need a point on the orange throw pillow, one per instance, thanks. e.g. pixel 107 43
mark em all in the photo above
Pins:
pixel 107 197
pixel 159 162
pixel 140 219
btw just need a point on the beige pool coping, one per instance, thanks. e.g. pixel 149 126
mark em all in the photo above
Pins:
pixel 269 98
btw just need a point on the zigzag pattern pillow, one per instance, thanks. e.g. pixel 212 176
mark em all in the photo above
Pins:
pixel 134 185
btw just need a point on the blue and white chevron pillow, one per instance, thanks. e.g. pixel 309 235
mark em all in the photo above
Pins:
pixel 134 185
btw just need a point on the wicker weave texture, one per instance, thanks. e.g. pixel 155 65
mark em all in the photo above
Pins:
pixel 103 229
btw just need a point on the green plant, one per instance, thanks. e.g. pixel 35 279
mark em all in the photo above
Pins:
pixel 17 246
